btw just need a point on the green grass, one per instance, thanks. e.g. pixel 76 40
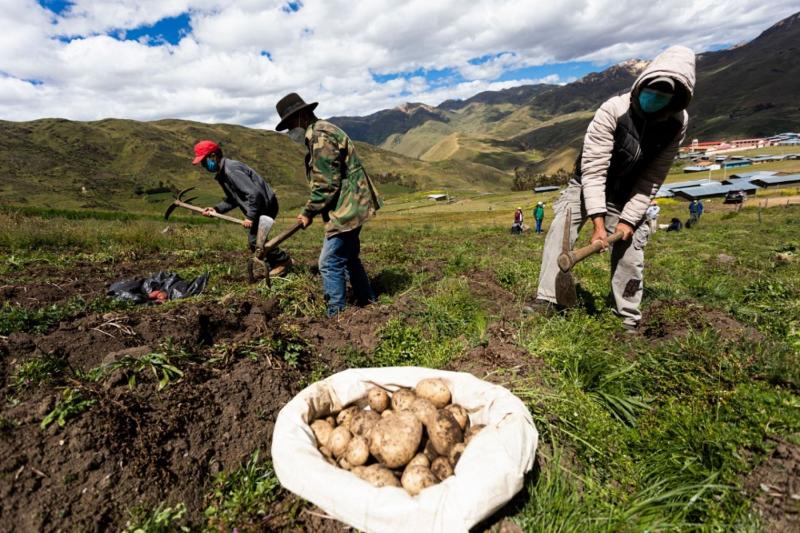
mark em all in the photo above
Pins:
pixel 71 404
pixel 642 433
pixel 241 498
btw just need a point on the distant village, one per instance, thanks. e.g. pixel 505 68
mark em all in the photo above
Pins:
pixel 717 155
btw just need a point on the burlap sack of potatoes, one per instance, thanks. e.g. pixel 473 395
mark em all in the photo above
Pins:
pixel 489 474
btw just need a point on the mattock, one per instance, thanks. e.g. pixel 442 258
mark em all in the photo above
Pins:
pixel 257 267
pixel 185 203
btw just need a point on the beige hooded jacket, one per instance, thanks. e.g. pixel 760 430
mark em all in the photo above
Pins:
pixel 677 63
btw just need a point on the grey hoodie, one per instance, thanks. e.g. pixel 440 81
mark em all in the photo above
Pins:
pixel 677 63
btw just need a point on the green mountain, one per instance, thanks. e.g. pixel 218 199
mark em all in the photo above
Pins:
pixel 746 91
pixel 125 164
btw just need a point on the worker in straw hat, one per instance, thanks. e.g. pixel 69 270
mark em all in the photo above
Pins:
pixel 342 193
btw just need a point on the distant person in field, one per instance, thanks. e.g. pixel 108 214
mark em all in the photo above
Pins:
pixel 538 216
pixel 627 152
pixel 342 193
pixel 692 214
pixel 516 227
pixel 675 225
pixel 652 215
pixel 244 189
pixel 700 208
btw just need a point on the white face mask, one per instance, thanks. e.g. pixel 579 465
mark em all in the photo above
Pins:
pixel 298 135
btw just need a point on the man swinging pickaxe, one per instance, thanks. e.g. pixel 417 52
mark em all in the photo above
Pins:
pixel 257 266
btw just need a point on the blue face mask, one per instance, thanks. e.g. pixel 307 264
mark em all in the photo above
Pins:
pixel 211 165
pixel 651 101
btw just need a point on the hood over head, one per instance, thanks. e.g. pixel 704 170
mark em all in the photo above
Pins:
pixel 675 63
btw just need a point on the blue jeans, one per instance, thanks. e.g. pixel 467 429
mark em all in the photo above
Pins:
pixel 538 225
pixel 339 260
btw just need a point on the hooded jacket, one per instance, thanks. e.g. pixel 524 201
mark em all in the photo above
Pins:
pixel 626 154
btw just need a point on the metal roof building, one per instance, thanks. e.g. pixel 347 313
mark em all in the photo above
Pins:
pixel 772 181
pixel 700 168
pixel 683 184
pixel 749 175
pixel 715 189
pixel 737 163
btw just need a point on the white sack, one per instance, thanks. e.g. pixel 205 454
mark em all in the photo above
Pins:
pixel 489 473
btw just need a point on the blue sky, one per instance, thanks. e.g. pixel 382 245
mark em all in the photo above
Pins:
pixel 231 60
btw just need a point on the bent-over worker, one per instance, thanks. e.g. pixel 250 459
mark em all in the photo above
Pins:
pixel 627 152
pixel 244 189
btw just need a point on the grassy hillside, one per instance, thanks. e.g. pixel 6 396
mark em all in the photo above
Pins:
pixel 123 164
pixel 745 91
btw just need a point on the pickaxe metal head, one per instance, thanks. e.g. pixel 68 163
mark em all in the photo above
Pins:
pixel 178 198
pixel 566 295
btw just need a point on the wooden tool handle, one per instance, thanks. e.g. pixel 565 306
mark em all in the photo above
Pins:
pixel 576 256
pixel 196 209
pixel 275 241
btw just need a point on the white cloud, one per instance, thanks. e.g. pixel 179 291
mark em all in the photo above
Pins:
pixel 327 51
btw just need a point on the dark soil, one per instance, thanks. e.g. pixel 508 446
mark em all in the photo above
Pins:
pixel 671 319
pixel 140 446
pixel 41 284
pixel 774 487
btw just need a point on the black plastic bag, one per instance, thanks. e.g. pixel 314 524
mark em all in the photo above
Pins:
pixel 157 288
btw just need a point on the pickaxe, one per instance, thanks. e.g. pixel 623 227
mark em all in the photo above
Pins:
pixel 257 260
pixel 181 202
pixel 566 296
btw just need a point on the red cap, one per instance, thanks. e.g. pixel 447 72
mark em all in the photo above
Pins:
pixel 202 149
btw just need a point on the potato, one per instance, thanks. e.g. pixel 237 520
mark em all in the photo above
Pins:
pixel 386 413
pixel 416 477
pixel 435 390
pixel 362 423
pixel 380 476
pixel 441 468
pixel 461 415
pixel 326 451
pixel 378 399
pixel 455 453
pixel 423 409
pixel 471 432
pixel 359 471
pixel 420 460
pixel 357 451
pixel 340 438
pixel 344 463
pixel 322 431
pixel 402 399
pixel 429 451
pixel 345 415
pixel 394 440
pixel 444 432
pixel 331 420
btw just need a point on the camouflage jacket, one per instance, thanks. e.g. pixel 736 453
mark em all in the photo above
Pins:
pixel 341 190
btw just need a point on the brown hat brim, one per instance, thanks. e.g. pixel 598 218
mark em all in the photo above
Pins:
pixel 282 124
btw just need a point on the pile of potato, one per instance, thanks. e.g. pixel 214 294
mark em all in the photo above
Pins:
pixel 411 438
